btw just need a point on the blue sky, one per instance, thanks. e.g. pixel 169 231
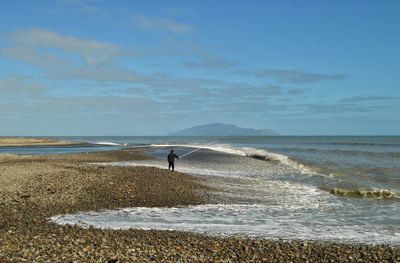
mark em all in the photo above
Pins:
pixel 97 67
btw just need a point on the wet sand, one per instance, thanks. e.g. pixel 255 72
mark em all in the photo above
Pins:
pixel 34 188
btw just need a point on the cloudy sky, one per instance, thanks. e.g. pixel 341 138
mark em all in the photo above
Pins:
pixel 97 67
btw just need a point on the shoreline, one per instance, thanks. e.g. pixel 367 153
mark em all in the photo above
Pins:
pixel 34 188
pixel 34 141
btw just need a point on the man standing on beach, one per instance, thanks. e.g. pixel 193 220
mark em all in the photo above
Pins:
pixel 171 160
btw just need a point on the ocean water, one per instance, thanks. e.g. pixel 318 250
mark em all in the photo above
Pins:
pixel 315 188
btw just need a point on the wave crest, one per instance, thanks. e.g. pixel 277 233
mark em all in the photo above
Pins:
pixel 365 193
pixel 250 152
pixel 110 143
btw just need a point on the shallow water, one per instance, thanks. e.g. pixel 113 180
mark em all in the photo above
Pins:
pixel 269 221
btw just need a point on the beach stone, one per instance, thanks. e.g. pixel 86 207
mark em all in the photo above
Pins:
pixel 25 195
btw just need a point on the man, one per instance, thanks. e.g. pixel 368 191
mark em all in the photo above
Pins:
pixel 171 160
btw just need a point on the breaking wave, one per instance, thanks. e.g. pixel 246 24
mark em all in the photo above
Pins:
pixel 110 143
pixel 250 152
pixel 365 193
pixel 344 151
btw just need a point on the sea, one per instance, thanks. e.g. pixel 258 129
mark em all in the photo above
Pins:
pixel 324 188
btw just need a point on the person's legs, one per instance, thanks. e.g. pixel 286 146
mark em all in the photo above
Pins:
pixel 173 166
pixel 170 164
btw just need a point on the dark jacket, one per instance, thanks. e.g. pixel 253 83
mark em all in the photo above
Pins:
pixel 171 157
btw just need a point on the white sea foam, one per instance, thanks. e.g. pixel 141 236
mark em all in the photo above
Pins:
pixel 184 168
pixel 110 143
pixel 236 182
pixel 248 220
pixel 246 151
pixel 275 165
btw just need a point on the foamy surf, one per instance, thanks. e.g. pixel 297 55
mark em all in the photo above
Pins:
pixel 245 184
pixel 182 168
pixel 110 143
pixel 248 220
pixel 366 193
pixel 248 152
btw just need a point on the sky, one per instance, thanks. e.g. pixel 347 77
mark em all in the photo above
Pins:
pixel 122 67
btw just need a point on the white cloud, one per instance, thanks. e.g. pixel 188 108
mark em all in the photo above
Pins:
pixel 295 91
pixel 246 92
pixel 82 106
pixel 85 6
pixel 57 53
pixel 93 52
pixel 210 61
pixel 161 24
pixel 32 56
pixel 297 76
pixel 114 74
pixel 370 98
pixel 21 86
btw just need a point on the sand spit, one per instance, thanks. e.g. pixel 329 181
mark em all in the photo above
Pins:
pixel 31 141
pixel 33 188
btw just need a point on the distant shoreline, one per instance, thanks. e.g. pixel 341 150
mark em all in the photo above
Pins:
pixel 30 141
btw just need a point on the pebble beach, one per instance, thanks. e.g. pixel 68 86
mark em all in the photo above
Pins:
pixel 34 188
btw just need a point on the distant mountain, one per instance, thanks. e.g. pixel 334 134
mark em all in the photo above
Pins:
pixel 220 129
